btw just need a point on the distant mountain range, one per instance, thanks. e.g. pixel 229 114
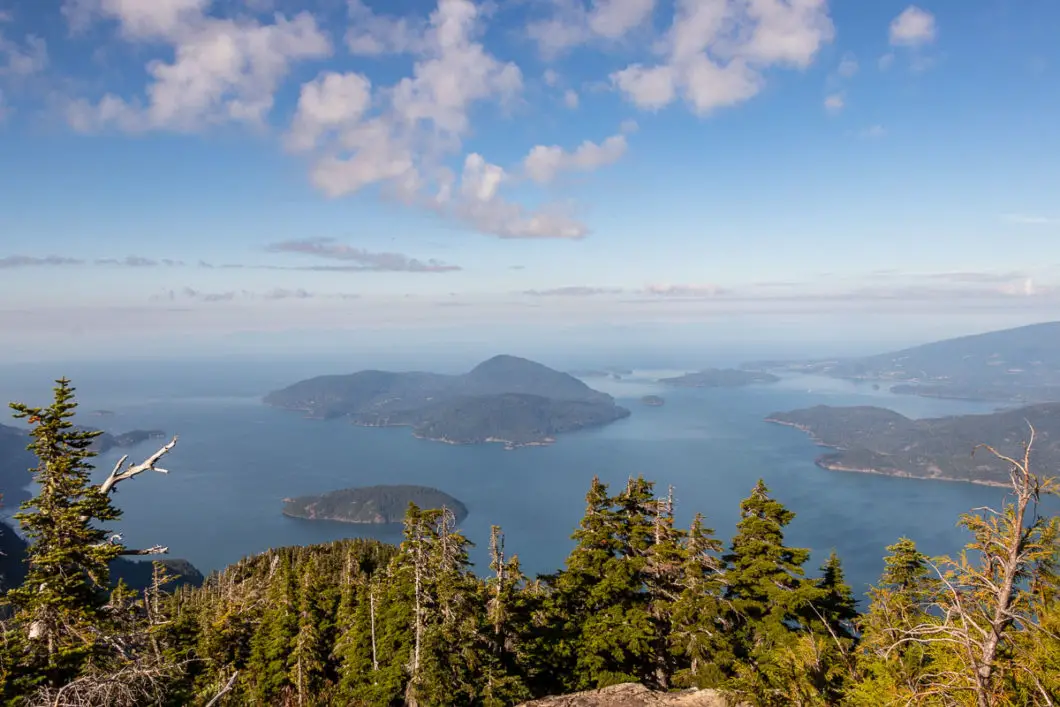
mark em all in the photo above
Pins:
pixel 1019 365
pixel 876 440
pixel 506 399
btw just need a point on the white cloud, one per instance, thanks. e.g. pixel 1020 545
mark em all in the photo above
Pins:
pixel 570 98
pixel 834 103
pixel 885 61
pixel 543 163
pixel 715 52
pixel 913 27
pixel 372 35
pixel 550 77
pixel 223 70
pixel 329 102
pixel 848 66
pixel 21 59
pixel 873 132
pixel 573 23
pixel 398 136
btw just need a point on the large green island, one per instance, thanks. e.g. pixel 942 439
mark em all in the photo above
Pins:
pixel 371 504
pixel 720 378
pixel 879 441
pixel 506 400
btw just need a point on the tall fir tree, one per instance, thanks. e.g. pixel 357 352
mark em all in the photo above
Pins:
pixel 63 597
pixel 699 631
pixel 900 600
pixel 767 595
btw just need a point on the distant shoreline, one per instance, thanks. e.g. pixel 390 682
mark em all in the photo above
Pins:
pixel 822 462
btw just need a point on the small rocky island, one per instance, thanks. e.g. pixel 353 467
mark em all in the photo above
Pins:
pixel 371 504
pixel 652 401
pixel 506 400
pixel 720 378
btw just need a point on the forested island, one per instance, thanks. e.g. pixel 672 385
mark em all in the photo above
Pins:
pixel 1018 365
pixel 880 441
pixel 720 378
pixel 652 401
pixel 507 400
pixel 371 504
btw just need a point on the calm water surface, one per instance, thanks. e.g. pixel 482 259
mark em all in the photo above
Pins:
pixel 237 459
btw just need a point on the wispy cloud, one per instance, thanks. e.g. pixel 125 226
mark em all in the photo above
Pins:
pixel 914 27
pixel 1032 220
pixel 356 259
pixel 872 132
pixel 11 262
pixel 665 290
pixel 275 294
pixel 136 261
pixel 130 261
pixel 574 291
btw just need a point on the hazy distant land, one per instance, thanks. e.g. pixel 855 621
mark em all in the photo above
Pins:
pixel 506 399
pixel 720 378
pixel 879 441
pixel 1019 365
pixel 371 504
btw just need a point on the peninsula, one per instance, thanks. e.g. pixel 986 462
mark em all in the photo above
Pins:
pixel 506 400
pixel 879 441
pixel 371 504
pixel 1010 366
pixel 720 378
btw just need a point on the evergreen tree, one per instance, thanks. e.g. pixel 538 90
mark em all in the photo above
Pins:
pixel 699 629
pixel 899 601
pixel 307 660
pixel 768 595
pixel 837 608
pixel 273 642
pixel 63 598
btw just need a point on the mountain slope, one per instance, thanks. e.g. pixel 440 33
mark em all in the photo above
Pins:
pixel 1011 365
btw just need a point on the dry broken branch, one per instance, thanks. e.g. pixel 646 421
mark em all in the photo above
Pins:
pixel 224 690
pixel 119 474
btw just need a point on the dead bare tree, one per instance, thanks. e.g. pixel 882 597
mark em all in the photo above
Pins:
pixel 981 603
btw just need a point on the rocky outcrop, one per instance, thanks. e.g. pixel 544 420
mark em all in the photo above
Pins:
pixel 633 695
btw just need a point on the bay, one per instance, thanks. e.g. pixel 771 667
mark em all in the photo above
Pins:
pixel 237 459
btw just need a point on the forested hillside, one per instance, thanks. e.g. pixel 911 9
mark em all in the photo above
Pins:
pixel 638 600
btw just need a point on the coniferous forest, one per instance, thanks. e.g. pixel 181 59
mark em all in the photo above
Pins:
pixel 358 622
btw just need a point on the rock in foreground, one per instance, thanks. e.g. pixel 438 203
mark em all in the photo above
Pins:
pixel 633 695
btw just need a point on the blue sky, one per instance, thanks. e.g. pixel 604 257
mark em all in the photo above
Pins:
pixel 183 171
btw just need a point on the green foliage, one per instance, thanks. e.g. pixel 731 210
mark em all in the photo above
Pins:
pixel 63 598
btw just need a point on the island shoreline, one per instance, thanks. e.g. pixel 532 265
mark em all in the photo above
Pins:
pixel 822 461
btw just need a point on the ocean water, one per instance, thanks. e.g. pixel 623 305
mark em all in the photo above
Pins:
pixel 237 459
